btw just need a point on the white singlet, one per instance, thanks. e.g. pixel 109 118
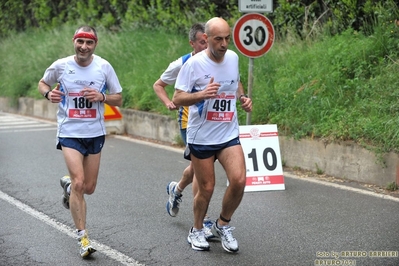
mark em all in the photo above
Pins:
pixel 170 74
pixel 169 77
pixel 212 121
pixel 76 116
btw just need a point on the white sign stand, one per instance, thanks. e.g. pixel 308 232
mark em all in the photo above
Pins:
pixel 262 158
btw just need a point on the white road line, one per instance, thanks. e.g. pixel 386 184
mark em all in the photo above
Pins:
pixel 12 123
pixel 24 126
pixel 108 251
pixel 361 191
pixel 27 130
pixel 20 122
pixel 10 119
pixel 357 190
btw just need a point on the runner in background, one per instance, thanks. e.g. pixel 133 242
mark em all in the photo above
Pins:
pixel 210 84
pixel 174 189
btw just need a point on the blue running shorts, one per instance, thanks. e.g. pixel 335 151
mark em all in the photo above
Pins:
pixel 206 151
pixel 85 146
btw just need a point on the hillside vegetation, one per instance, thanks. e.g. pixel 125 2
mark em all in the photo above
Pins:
pixel 317 81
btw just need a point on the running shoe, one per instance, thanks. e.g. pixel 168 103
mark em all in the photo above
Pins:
pixel 65 201
pixel 65 181
pixel 85 246
pixel 208 228
pixel 196 238
pixel 172 206
pixel 229 243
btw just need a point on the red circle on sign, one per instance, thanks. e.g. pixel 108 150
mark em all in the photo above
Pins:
pixel 238 42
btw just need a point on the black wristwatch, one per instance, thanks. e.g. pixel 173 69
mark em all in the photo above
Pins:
pixel 45 95
pixel 242 95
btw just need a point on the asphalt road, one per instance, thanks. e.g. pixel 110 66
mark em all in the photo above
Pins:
pixel 306 224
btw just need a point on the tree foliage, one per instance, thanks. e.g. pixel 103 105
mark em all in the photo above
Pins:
pixel 301 17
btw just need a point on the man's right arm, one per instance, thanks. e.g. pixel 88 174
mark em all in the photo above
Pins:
pixel 159 88
pixel 53 95
pixel 186 99
pixel 183 98
pixel 43 88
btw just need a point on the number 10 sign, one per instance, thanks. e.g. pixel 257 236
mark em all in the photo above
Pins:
pixel 262 157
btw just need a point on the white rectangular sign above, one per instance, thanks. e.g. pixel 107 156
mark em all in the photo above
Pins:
pixel 260 6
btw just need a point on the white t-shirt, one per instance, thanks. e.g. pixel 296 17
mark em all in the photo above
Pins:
pixel 76 116
pixel 169 77
pixel 212 121
pixel 170 74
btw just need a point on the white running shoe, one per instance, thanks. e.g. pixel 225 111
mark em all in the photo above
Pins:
pixel 65 201
pixel 229 243
pixel 196 238
pixel 172 206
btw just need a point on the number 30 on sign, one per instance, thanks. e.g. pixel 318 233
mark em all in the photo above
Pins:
pixel 262 158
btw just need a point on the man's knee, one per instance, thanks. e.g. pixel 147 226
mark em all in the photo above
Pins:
pixel 78 186
pixel 208 189
pixel 237 182
pixel 90 188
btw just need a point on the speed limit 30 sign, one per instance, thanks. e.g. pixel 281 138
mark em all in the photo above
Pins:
pixel 261 149
pixel 253 35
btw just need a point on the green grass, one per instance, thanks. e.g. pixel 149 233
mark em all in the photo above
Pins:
pixel 342 87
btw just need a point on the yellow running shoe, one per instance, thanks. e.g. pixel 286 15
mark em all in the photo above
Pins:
pixel 85 246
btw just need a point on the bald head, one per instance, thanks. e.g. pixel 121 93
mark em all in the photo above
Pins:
pixel 217 32
pixel 216 25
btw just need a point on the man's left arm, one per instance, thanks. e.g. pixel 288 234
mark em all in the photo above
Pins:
pixel 246 102
pixel 114 96
pixel 113 99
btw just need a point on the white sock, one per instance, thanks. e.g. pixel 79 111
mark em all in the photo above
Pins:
pixel 80 233
pixel 218 225
pixel 178 190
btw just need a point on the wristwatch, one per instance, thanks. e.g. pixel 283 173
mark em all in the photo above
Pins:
pixel 45 95
pixel 242 95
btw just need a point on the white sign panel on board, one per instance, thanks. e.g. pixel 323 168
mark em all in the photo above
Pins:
pixel 261 6
pixel 262 157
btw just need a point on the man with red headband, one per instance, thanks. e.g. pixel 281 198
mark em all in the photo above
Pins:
pixel 82 82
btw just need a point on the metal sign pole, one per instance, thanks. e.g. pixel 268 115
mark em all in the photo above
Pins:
pixel 250 82
pixel 253 36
